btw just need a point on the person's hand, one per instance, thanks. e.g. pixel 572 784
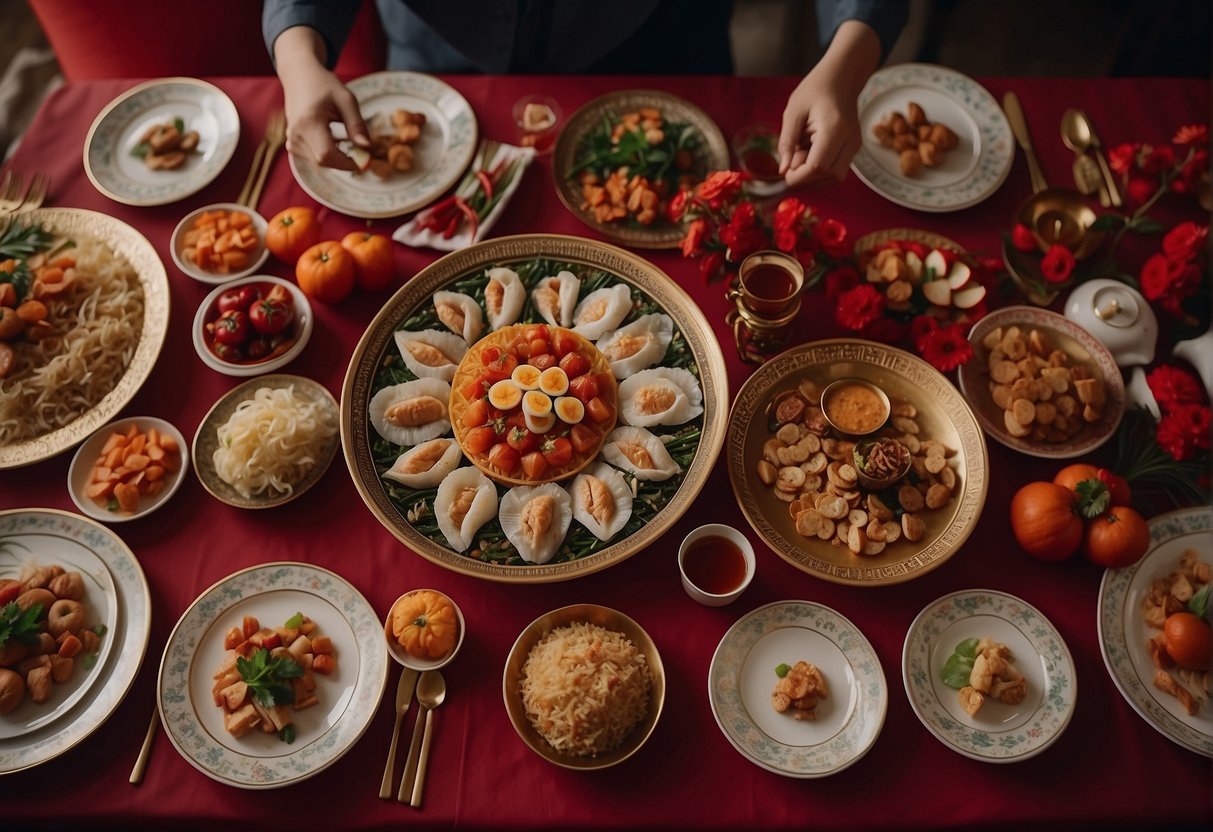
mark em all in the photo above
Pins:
pixel 314 97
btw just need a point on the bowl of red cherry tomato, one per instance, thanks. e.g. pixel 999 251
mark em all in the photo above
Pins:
pixel 253 325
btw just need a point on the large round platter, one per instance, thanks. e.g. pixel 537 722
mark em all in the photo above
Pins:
pixel 376 364
pixel 1079 345
pixel 943 415
pixel 75 223
pixel 206 442
pixel 742 677
pixel 998 733
pixel 711 154
pixel 117 587
pixel 1123 632
pixel 446 146
pixel 272 593
pixel 123 177
pixel 967 174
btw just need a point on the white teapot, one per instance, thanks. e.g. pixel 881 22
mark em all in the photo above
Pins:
pixel 1120 318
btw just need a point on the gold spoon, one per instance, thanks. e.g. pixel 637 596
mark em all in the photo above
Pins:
pixel 431 692
pixel 1086 171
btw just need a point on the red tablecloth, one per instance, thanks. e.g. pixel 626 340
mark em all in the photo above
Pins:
pixel 1109 766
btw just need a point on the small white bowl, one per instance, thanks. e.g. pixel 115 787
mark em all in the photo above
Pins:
pixel 82 466
pixel 303 329
pixel 257 257
pixel 398 652
pixel 709 599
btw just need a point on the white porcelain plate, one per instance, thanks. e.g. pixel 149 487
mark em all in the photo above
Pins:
pixel 116 596
pixel 1123 632
pixel 742 678
pixel 998 733
pixel 446 146
pixel 272 593
pixel 118 129
pixel 968 173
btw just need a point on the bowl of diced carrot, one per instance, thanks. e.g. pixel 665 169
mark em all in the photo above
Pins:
pixel 220 242
pixel 128 469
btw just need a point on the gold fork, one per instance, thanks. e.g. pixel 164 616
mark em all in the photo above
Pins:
pixel 36 194
pixel 263 160
pixel 10 192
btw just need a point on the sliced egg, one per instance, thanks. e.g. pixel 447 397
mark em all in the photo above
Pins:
pixel 570 409
pixel 505 395
pixel 526 376
pixel 540 424
pixel 536 403
pixel 554 381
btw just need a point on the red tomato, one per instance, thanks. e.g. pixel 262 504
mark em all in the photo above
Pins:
pixel 522 440
pixel 584 438
pixel 563 342
pixel 542 362
pixel 228 352
pixel 269 317
pixel 1118 486
pixel 271 641
pixel 503 457
pixel 9 590
pixel 480 439
pixel 374 265
pixel 557 451
pixel 241 297
pixel 539 346
pixel 536 332
pixel 516 419
pixel 259 348
pixel 477 414
pixel 489 354
pixel 520 347
pixel 279 292
pixel 584 388
pixel 479 387
pixel 533 465
pixel 231 328
pixel 574 365
pixel 504 364
pixel 597 409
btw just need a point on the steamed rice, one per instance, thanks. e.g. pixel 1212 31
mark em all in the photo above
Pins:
pixel 584 688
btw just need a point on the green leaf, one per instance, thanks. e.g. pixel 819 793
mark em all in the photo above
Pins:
pixel 968 648
pixel 1094 498
pixel 141 150
pixel 287 734
pixel 18 241
pixel 267 677
pixel 1198 604
pixel 179 123
pixel 956 670
pixel 1107 222
pixel 1145 225
pixel 781 670
pixel 20 625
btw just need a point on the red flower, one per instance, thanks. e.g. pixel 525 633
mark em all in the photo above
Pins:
pixel 1120 158
pixel 1057 264
pixel 692 243
pixel 1140 188
pixel 1155 160
pixel 743 234
pixel 711 265
pixel 677 206
pixel 921 328
pixel 1184 241
pixel 840 280
pixel 1022 238
pixel 1192 134
pixel 721 186
pixel 786 239
pixel 789 212
pixel 946 348
pixel 833 237
pixel 1184 430
pixel 1172 386
pixel 859 306
pixel 1169 283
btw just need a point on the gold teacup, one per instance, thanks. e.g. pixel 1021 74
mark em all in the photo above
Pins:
pixel 767 299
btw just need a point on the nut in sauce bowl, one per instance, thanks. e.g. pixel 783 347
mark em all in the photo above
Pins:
pixel 880 463
pixel 855 407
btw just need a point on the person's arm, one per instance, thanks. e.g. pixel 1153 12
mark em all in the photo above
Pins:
pixel 820 134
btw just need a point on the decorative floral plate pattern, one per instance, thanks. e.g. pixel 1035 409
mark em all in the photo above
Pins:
pixel 999 733
pixel 967 174
pixel 59 532
pixel 130 244
pixel 742 677
pixel 1123 633
pixel 123 177
pixel 446 146
pixel 348 699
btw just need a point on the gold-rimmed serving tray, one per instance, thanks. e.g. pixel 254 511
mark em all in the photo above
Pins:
pixel 712 153
pixel 135 248
pixel 377 344
pixel 944 416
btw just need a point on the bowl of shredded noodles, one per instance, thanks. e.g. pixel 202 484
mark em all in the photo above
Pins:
pixel 267 441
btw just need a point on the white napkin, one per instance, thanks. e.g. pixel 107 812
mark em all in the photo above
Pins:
pixel 488 156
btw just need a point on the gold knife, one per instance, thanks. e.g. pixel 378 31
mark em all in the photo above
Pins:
pixel 404 698
pixel 1097 146
pixel 1019 126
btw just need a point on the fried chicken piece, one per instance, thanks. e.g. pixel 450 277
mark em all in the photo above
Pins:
pixel 780 701
pixel 970 700
pixel 1009 692
pixel 1165 682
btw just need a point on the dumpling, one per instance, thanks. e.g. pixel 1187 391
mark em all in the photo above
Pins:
pixel 602 310
pixel 425 465
pixel 555 298
pixel 661 396
pixel 602 500
pixel 466 500
pixel 504 296
pixel 460 313
pixel 640 452
pixel 536 520
pixel 411 413
pixel 640 344
pixel 431 353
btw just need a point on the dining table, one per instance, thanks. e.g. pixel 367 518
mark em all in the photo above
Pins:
pixel 1108 769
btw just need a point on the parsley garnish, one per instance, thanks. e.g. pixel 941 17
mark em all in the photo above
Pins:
pixel 22 626
pixel 267 677
pixel 18 242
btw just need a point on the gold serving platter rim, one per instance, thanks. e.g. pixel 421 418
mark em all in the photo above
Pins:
pixel 633 269
pixel 806 555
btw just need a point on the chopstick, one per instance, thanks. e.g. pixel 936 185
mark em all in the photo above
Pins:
pixel 258 157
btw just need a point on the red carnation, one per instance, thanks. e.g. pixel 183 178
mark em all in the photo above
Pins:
pixel 859 306
pixel 1192 134
pixel 1184 241
pixel 677 206
pixel 1120 158
pixel 743 234
pixel 789 212
pixel 1057 264
pixel 1022 238
pixel 840 280
pixel 1172 386
pixel 833 237
pixel 1155 160
pixel 946 348
pixel 692 243
pixel 721 186
pixel 1184 430
pixel 921 328
pixel 711 265
pixel 1140 189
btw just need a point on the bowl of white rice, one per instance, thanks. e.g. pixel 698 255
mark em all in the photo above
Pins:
pixel 584 686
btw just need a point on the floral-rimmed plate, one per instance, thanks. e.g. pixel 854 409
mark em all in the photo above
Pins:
pixel 122 176
pixel 59 536
pixel 968 173
pixel 999 733
pixel 272 593
pixel 1081 347
pixel 742 677
pixel 1123 633
pixel 441 154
